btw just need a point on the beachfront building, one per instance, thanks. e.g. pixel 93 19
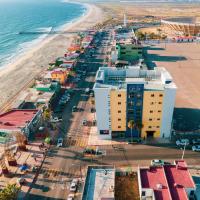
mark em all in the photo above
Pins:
pixel 20 120
pixel 168 182
pixel 54 86
pixel 59 75
pixel 146 97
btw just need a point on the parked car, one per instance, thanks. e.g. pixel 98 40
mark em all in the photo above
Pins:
pixel 74 109
pixel 93 151
pixel 196 141
pixel 74 185
pixel 196 148
pixel 157 162
pixel 71 196
pixel 94 122
pixel 56 119
pixel 134 141
pixel 182 142
pixel 60 142
pixel 92 110
pixel 84 122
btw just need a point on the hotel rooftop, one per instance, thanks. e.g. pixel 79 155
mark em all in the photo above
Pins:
pixel 168 182
pixel 118 78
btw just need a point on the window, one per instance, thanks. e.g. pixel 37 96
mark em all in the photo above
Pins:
pixel 158 119
pixel 143 193
pixel 157 126
pixel 149 126
pixel 159 111
pixel 152 95
pixel 151 103
pixel 160 95
pixel 130 103
pixel 119 126
pixel 119 111
pixel 119 95
pixel 151 111
pixel 119 103
pixel 119 119
pixel 138 103
pixel 150 119
pixel 159 102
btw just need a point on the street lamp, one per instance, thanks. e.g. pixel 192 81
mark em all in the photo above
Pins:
pixel 183 151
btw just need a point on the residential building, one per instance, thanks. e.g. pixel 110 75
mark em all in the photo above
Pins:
pixel 20 120
pixel 168 182
pixel 54 86
pixel 133 93
pixel 99 183
pixel 59 75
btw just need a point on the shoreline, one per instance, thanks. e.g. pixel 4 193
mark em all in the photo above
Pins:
pixel 39 44
pixel 15 76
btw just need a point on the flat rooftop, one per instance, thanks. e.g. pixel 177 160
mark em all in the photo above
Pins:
pixel 99 184
pixel 16 119
pixel 155 79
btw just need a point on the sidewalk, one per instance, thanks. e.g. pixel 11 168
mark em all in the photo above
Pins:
pixel 32 161
pixel 33 157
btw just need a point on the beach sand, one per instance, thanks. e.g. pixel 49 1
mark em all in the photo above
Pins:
pixel 18 75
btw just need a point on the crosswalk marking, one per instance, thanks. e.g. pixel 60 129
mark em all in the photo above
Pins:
pixel 81 142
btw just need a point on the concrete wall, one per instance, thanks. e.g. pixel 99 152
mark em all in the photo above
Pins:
pixel 102 101
pixel 167 112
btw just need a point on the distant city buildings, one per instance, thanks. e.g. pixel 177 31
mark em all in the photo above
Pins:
pixel 146 97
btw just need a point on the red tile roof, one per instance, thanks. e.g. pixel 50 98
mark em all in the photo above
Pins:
pixel 155 179
pixel 14 119
pixel 179 178
pixel 173 178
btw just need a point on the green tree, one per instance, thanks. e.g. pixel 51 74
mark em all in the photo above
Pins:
pixel 9 192
pixel 131 125
pixel 139 127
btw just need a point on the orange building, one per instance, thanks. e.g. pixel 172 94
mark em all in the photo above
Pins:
pixel 59 75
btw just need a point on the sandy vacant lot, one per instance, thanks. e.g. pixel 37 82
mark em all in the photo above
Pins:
pixel 182 60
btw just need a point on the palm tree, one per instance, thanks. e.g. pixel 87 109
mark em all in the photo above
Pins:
pixel 9 192
pixel 139 126
pixel 131 125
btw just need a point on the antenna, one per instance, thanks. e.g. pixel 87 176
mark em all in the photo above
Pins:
pixel 125 22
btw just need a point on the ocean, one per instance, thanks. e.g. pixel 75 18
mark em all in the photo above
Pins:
pixel 17 16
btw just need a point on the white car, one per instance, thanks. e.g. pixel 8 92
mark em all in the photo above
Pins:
pixel 56 119
pixel 182 142
pixel 74 185
pixel 196 141
pixel 196 148
pixel 70 197
pixel 60 142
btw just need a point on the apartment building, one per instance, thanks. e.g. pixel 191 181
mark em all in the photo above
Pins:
pixel 146 97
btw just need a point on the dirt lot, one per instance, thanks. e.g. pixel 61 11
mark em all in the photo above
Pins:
pixel 182 60
pixel 126 188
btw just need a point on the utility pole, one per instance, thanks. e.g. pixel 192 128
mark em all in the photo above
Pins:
pixel 183 152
